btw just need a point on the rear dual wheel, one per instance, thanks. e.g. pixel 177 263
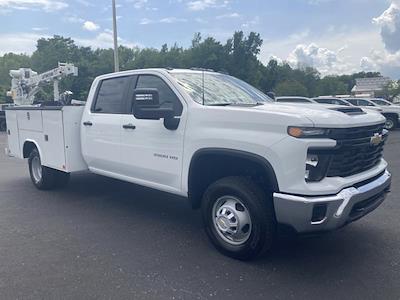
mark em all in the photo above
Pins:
pixel 239 218
pixel 45 178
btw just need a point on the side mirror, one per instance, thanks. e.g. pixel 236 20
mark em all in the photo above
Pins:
pixel 271 95
pixel 147 105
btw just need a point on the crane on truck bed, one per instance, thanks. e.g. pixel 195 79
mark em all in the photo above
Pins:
pixel 26 83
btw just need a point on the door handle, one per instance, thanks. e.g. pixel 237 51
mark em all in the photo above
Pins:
pixel 87 123
pixel 129 126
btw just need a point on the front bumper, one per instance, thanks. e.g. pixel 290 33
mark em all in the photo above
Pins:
pixel 347 206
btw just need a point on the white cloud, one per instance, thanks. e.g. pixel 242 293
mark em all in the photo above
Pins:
pixel 228 16
pixel 387 60
pixel 138 4
pixel 103 40
pixel 74 19
pixel 19 42
pixel 142 4
pixel 349 46
pixel 198 5
pixel 22 42
pixel 40 28
pixel 171 20
pixel 90 26
pixel 85 3
pixel 46 5
pixel 168 20
pixel 383 61
pixel 251 23
pixel 325 60
pixel 389 21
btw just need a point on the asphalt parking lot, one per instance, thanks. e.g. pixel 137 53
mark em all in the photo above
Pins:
pixel 105 239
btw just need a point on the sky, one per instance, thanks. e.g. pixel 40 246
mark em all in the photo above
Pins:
pixel 334 36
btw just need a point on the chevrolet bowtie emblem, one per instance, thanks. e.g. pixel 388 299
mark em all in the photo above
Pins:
pixel 376 139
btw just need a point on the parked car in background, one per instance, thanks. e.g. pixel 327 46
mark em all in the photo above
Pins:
pixel 391 112
pixel 291 99
pixel 331 100
pixel 383 102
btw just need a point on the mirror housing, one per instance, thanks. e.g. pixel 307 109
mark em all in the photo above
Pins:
pixel 147 105
pixel 271 95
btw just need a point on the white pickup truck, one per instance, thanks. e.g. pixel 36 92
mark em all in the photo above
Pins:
pixel 251 165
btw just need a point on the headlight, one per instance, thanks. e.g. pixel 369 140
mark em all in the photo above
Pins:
pixel 308 132
pixel 316 166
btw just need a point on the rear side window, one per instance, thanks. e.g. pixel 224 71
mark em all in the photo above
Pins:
pixel 165 92
pixel 111 96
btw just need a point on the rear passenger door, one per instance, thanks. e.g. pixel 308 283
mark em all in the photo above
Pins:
pixel 101 130
pixel 151 154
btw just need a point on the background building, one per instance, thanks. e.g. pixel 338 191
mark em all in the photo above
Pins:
pixel 370 87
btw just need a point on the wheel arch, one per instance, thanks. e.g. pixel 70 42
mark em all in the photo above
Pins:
pixel 28 146
pixel 222 162
pixel 391 114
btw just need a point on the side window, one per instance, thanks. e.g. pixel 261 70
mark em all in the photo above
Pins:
pixel 353 101
pixel 165 92
pixel 364 103
pixel 325 101
pixel 111 96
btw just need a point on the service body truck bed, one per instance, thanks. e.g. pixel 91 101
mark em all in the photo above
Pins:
pixel 54 131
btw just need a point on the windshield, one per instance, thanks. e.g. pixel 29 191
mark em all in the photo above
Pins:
pixel 381 102
pixel 219 89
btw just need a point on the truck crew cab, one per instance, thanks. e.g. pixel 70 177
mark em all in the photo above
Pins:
pixel 249 163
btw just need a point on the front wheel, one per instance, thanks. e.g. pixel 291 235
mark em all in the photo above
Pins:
pixel 239 218
pixel 391 123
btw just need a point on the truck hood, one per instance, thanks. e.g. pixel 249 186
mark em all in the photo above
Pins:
pixel 326 115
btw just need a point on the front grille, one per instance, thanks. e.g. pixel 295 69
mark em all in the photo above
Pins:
pixel 354 152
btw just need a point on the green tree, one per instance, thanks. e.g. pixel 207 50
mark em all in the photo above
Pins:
pixel 291 88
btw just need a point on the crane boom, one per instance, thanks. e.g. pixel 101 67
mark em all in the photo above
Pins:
pixel 26 83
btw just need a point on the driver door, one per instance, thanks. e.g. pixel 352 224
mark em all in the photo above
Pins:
pixel 151 154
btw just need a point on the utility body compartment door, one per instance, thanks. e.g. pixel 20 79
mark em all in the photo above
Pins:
pixel 13 134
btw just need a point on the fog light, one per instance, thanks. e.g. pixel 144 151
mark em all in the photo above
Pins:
pixel 319 213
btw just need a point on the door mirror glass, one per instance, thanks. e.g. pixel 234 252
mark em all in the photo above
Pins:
pixel 147 105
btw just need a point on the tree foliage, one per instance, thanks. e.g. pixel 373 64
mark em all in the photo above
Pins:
pixel 238 56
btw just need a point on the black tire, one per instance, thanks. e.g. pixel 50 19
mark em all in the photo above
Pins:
pixel 260 209
pixel 48 178
pixel 3 125
pixel 391 123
